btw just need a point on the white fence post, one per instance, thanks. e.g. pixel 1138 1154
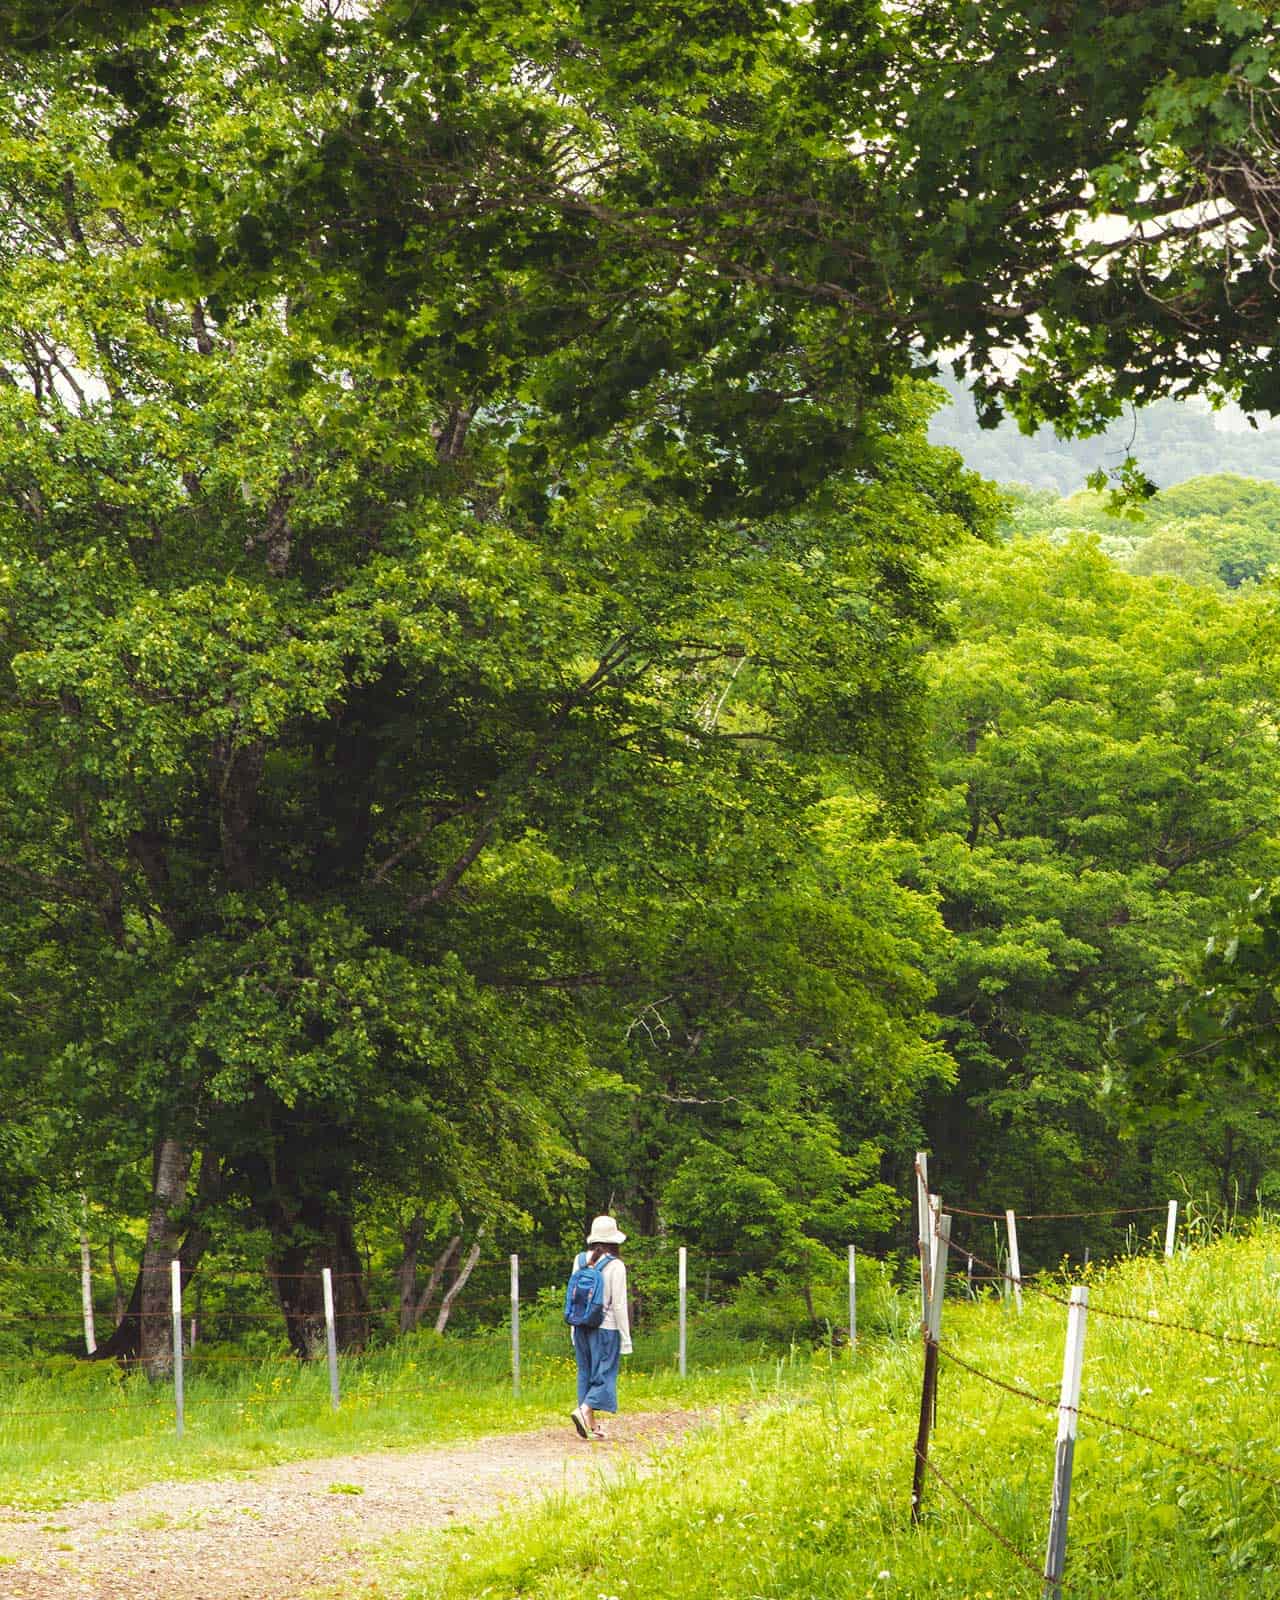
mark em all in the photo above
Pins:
pixel 939 1278
pixel 175 1281
pixel 1055 1559
pixel 515 1326
pixel 330 1336
pixel 684 1295
pixel 922 1231
pixel 1015 1265
pixel 853 1297
pixel 1171 1230
pixel 86 1293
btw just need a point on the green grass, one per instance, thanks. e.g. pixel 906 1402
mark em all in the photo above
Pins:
pixel 72 1430
pixel 810 1496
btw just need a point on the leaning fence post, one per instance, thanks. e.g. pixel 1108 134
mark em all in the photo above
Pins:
pixel 1055 1559
pixel 683 1279
pixel 515 1326
pixel 853 1297
pixel 1171 1230
pixel 929 1385
pixel 922 1230
pixel 1015 1265
pixel 175 1281
pixel 330 1335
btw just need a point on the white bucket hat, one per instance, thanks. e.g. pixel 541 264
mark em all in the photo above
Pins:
pixel 605 1230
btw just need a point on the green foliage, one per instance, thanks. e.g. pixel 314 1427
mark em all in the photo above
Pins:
pixel 469 545
pixel 1220 530
pixel 1215 1029
pixel 1107 765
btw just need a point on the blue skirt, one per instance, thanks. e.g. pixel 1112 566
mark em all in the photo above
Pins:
pixel 598 1351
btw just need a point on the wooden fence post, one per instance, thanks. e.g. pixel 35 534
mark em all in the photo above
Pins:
pixel 330 1336
pixel 1055 1559
pixel 175 1281
pixel 929 1384
pixel 1171 1230
pixel 683 1278
pixel 1015 1265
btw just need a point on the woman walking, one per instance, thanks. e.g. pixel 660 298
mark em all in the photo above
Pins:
pixel 599 1349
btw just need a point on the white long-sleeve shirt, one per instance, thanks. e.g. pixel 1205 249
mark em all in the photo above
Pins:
pixel 615 1298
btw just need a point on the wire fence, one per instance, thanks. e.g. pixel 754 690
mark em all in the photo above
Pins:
pixel 935 1243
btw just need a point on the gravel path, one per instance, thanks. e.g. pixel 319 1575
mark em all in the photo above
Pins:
pixel 276 1534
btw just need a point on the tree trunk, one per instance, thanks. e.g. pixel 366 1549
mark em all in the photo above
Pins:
pixel 319 1237
pixel 442 1263
pixel 143 1327
pixel 143 1331
pixel 407 1272
pixel 118 1301
pixel 458 1284
pixel 414 1306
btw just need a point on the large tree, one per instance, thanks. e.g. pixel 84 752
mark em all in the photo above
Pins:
pixel 376 719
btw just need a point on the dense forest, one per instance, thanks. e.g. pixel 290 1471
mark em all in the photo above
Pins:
pixel 507 711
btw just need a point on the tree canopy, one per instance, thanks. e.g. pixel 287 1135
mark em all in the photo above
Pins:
pixel 471 546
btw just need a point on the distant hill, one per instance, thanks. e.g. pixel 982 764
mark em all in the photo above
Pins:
pixel 1173 441
pixel 1220 529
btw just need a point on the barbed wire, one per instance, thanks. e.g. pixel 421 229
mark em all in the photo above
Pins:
pixel 665 1251
pixel 1001 1538
pixel 1142 1320
pixel 1055 1216
pixel 1202 1456
pixel 1044 1216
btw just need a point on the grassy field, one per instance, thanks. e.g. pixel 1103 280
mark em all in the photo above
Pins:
pixel 810 1496
pixel 72 1430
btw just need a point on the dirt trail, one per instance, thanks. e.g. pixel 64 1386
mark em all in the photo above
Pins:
pixel 280 1533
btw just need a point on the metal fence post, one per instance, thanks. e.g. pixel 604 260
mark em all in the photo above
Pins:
pixel 1055 1559
pixel 1171 1230
pixel 330 1336
pixel 175 1281
pixel 515 1326
pixel 683 1270
pixel 1015 1265
pixel 853 1297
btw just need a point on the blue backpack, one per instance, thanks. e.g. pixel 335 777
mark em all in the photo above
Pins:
pixel 584 1294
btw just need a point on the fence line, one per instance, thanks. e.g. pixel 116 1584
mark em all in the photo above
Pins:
pixel 1058 1216
pixel 1142 1320
pixel 1202 1456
